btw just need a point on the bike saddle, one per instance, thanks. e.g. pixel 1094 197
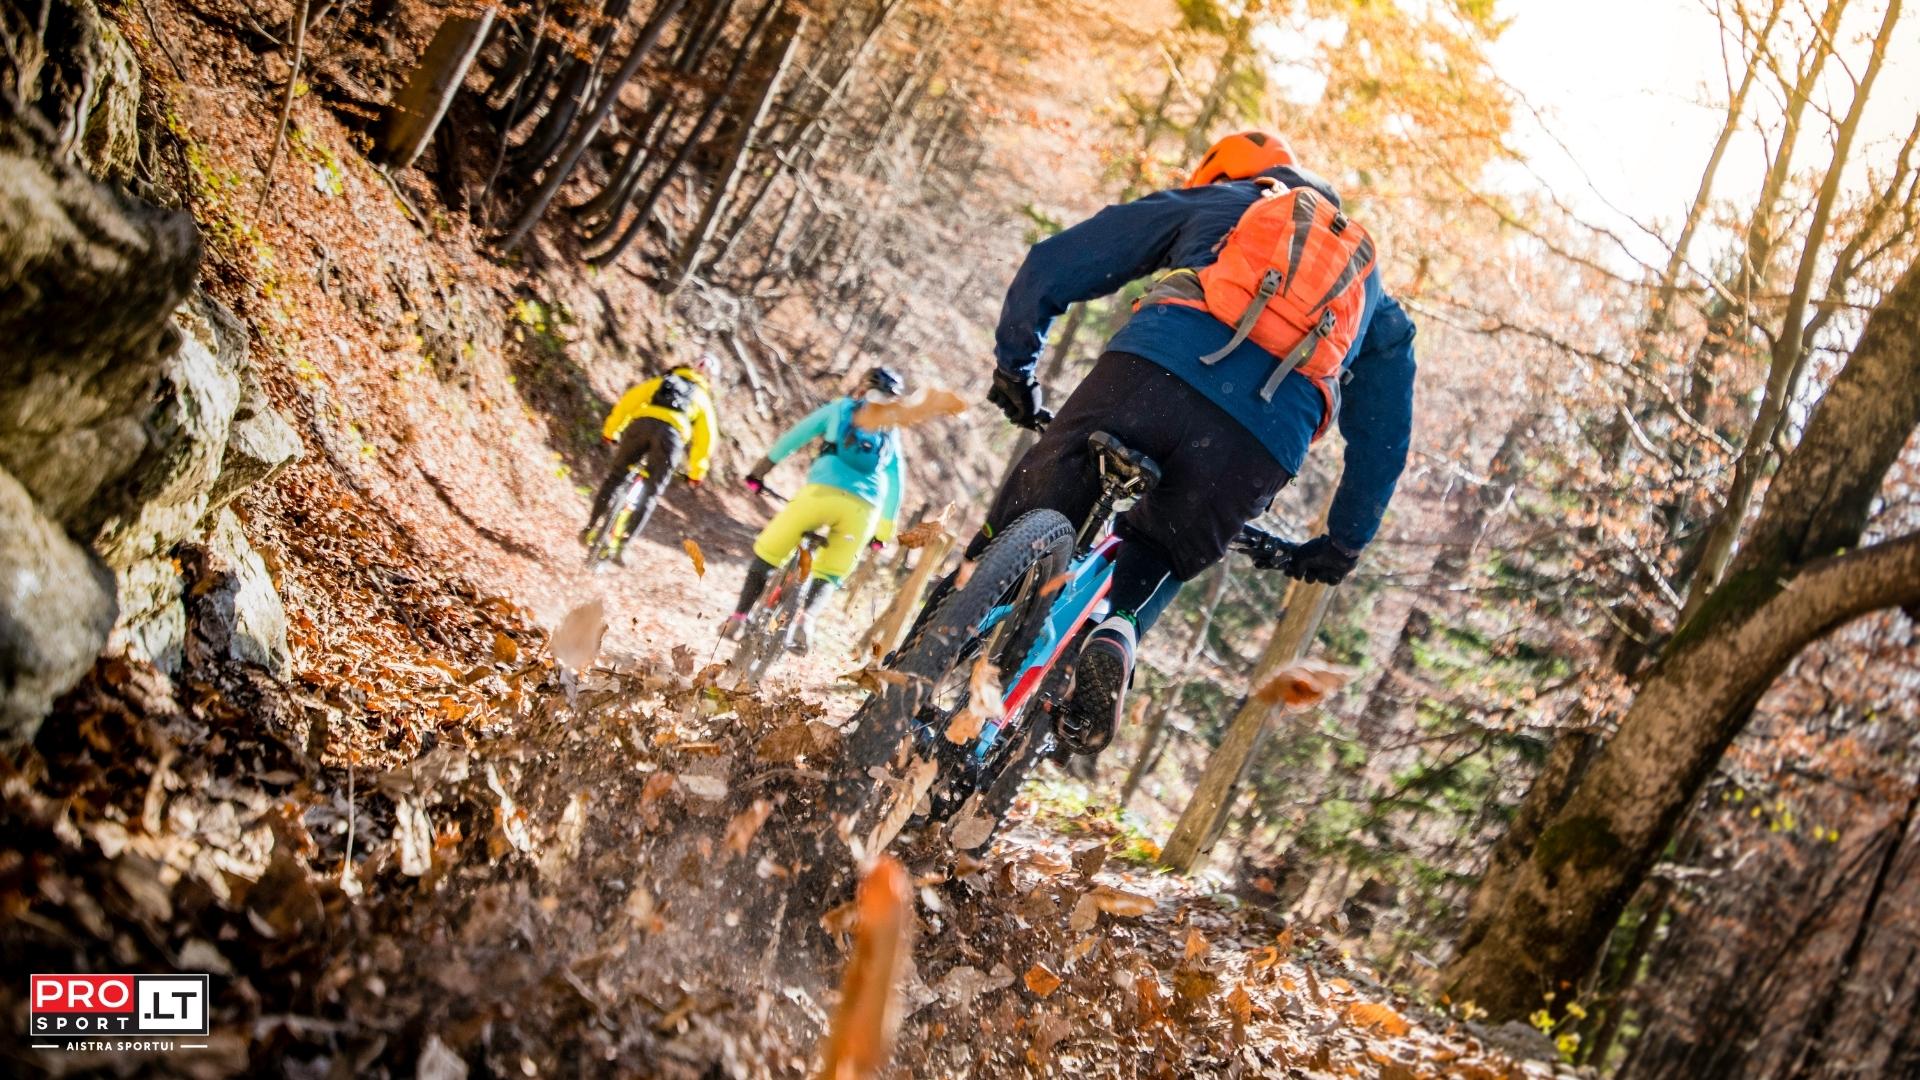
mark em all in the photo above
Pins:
pixel 1115 458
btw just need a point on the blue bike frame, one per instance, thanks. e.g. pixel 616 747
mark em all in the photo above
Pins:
pixel 1087 580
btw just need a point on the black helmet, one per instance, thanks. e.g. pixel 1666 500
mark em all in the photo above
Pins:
pixel 886 380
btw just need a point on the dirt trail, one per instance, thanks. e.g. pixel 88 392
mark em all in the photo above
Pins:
pixel 609 888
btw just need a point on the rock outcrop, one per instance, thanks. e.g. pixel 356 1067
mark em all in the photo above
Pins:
pixel 129 413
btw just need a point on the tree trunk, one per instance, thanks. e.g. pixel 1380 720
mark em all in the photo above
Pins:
pixel 1546 919
pixel 1662 316
pixel 691 140
pixel 1206 813
pixel 561 169
pixel 1788 346
pixel 1813 1039
pixel 776 54
pixel 1149 745
pixel 431 88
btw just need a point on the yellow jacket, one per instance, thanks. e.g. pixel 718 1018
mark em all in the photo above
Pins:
pixel 699 425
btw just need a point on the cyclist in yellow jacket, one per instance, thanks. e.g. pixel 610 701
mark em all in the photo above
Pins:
pixel 660 426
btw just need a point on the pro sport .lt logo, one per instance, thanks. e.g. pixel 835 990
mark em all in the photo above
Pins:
pixel 111 1010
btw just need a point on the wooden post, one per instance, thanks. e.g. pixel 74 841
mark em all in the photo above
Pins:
pixel 1206 814
pixel 884 635
pixel 431 88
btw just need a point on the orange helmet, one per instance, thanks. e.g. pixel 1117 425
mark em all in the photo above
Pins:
pixel 1239 156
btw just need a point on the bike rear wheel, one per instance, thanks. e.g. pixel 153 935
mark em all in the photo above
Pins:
pixel 899 730
pixel 765 637
pixel 625 506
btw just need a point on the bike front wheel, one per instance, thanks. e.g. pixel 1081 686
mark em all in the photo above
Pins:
pixel 994 613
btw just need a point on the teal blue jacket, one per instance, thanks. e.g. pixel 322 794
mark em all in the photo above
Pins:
pixel 881 487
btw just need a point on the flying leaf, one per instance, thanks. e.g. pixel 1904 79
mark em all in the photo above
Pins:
pixel 1241 1003
pixel 921 535
pixel 1042 981
pixel 746 824
pixel 704 787
pixel 414 831
pixel 576 642
pixel 682 660
pixel 1120 902
pixel 1196 944
pixel 874 680
pixel 806 563
pixel 983 703
pixel 1086 912
pixel 929 404
pixel 860 1040
pixel 1303 684
pixel 693 552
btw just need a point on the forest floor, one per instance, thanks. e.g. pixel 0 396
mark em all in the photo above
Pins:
pixel 433 849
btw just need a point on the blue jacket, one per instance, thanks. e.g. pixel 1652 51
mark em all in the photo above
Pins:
pixel 880 487
pixel 1180 228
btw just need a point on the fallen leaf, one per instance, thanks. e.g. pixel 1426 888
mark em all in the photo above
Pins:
pixel 795 741
pixel 1152 1006
pixel 655 788
pixel 972 827
pixel 1269 956
pixel 1041 981
pixel 559 853
pixel 693 552
pixel 1379 1017
pixel 960 985
pixel 437 1062
pixel 576 641
pixel 931 403
pixel 746 824
pixel 1088 860
pixel 1303 684
pixel 642 910
pixel 505 649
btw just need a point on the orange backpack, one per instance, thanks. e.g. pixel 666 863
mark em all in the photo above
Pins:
pixel 1289 275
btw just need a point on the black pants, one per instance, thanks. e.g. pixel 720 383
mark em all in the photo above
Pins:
pixel 656 446
pixel 1214 475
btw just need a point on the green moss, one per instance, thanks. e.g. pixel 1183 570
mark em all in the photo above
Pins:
pixel 1587 841
pixel 1735 597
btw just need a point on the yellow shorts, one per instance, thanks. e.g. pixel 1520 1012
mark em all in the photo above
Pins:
pixel 850 521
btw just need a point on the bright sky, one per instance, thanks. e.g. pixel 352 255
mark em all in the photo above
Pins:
pixel 1634 89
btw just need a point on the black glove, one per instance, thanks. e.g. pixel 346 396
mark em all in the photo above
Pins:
pixel 1321 560
pixel 1019 396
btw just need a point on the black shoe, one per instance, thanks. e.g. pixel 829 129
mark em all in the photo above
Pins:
pixel 1099 692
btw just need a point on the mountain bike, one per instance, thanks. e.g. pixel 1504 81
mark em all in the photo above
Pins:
pixel 766 637
pixel 1029 597
pixel 608 534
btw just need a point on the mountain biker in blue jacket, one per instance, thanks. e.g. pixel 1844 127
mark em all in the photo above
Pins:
pixel 1224 451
